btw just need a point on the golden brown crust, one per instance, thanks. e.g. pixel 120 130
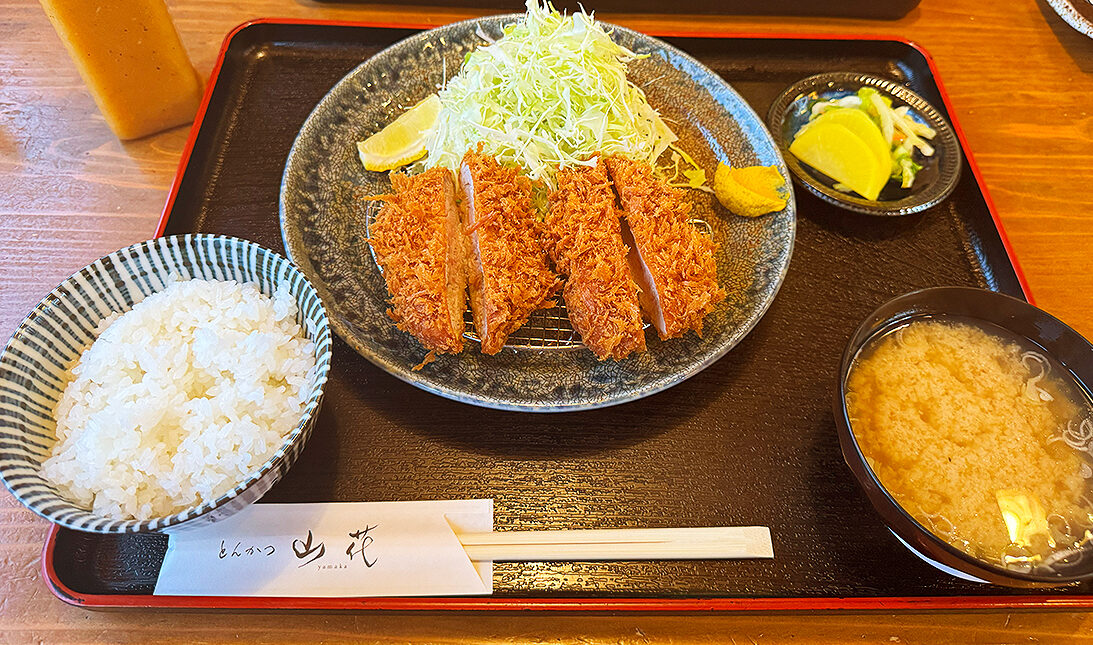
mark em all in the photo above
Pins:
pixel 679 257
pixel 410 238
pixel 585 241
pixel 508 272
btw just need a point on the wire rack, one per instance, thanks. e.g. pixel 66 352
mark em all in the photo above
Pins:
pixel 546 329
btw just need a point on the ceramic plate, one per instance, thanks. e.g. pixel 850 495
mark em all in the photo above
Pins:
pixel 1077 13
pixel 324 218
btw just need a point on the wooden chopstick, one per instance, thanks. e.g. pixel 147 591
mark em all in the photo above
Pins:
pixel 721 542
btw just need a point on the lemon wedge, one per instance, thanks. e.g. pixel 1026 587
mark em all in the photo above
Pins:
pixel 839 153
pixel 749 191
pixel 403 140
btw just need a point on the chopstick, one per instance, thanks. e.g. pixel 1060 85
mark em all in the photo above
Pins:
pixel 721 542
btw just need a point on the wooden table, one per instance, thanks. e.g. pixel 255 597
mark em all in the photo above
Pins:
pixel 1021 82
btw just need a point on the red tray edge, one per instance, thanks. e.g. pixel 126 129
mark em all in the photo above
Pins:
pixel 488 603
pixel 110 601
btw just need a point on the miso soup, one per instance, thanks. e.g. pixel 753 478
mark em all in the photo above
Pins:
pixel 979 435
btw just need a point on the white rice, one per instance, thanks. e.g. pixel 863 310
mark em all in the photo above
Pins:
pixel 180 399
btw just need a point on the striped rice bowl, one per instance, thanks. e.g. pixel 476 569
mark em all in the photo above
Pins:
pixel 187 408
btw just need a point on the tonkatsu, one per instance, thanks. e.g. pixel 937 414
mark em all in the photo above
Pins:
pixel 585 242
pixel 508 273
pixel 671 261
pixel 418 242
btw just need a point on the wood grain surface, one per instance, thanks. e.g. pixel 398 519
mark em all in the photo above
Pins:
pixel 1020 81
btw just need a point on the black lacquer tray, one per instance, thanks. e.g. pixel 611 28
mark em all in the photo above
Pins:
pixel 750 440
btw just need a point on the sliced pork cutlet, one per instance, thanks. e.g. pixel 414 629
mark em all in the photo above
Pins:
pixel 584 237
pixel 507 269
pixel 671 261
pixel 418 241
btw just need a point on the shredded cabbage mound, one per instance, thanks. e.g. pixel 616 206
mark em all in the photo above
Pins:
pixel 550 92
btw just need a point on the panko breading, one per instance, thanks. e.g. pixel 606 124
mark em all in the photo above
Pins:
pixel 507 269
pixel 418 241
pixel 585 241
pixel 672 262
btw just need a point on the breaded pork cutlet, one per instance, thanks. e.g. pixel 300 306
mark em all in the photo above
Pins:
pixel 418 241
pixel 507 270
pixel 585 241
pixel 672 262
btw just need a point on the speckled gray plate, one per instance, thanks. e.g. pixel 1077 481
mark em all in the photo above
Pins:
pixel 1076 13
pixel 323 225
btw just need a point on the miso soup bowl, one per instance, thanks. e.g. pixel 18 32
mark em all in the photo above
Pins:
pixel 1056 339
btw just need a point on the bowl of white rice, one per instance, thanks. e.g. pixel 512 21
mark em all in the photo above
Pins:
pixel 166 385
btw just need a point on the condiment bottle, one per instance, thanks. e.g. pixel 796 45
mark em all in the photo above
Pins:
pixel 131 58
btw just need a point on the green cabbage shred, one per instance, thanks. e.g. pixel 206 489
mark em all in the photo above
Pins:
pixel 551 92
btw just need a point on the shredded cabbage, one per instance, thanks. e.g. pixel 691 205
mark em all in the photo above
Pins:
pixel 550 92
pixel 904 134
pixel 693 176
